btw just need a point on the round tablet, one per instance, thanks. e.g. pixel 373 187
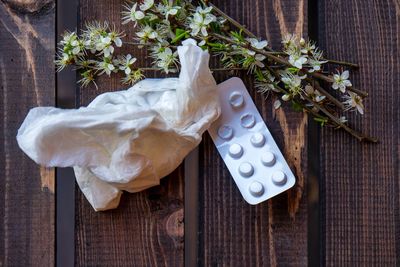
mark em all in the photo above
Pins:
pixel 268 158
pixel 247 120
pixel 245 169
pixel 256 189
pixel 279 178
pixel 236 151
pixel 236 100
pixel 258 140
pixel 225 132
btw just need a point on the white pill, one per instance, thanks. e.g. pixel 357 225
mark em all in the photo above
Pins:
pixel 245 169
pixel 268 158
pixel 258 140
pixel 236 100
pixel 247 120
pixel 256 189
pixel 225 132
pixel 279 178
pixel 236 151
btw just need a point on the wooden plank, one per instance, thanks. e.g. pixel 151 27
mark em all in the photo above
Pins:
pixel 232 232
pixel 147 228
pixel 27 80
pixel 65 180
pixel 360 185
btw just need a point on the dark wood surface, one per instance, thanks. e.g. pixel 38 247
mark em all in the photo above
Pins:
pixel 27 32
pixel 360 182
pixel 232 232
pixel 147 228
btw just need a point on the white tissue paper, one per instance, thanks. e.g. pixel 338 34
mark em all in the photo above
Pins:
pixel 127 140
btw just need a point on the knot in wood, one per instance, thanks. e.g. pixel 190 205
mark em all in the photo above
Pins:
pixel 175 226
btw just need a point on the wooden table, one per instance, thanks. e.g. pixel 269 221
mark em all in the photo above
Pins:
pixel 343 211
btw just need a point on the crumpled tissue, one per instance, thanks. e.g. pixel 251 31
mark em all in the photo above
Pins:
pixel 127 140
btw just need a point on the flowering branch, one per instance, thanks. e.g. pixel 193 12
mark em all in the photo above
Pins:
pixel 291 73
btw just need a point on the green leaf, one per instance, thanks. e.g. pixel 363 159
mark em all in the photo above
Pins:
pixel 215 27
pixel 216 45
pixel 293 70
pixel 321 120
pixel 179 35
pixel 238 35
pixel 259 75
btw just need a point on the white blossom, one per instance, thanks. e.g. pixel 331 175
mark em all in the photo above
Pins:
pixel 104 45
pixel 200 21
pixel 117 41
pixel 165 58
pixel 315 64
pixel 289 41
pixel 147 4
pixel 131 14
pixel 133 77
pixel 307 47
pixel 340 81
pixel 106 66
pixel 126 63
pixel 293 83
pixel 257 44
pixel 291 80
pixel 62 61
pixel 343 119
pixel 99 37
pixel 251 59
pixel 259 60
pixel 204 11
pixel 76 44
pixel 265 83
pixel 169 9
pixel 313 94
pixel 72 45
pixel 68 37
pixel 146 33
pixel 354 101
pixel 87 78
pixel 297 60
pixel 108 51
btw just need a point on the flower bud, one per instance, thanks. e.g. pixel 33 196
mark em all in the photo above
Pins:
pixel 286 97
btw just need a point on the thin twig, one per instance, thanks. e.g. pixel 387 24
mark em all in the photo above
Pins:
pixel 354 133
pixel 249 33
pixel 286 63
pixel 146 44
pixel 330 80
pixel 328 95
pixel 333 118
pixel 343 63
pixel 212 69
pixel 243 28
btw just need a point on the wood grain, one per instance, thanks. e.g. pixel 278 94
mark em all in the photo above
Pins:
pixel 232 232
pixel 27 80
pixel 360 187
pixel 147 228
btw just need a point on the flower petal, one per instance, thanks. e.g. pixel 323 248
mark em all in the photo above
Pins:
pixel 345 75
pixel 277 104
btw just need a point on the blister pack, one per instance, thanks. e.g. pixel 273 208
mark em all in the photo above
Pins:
pixel 247 147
